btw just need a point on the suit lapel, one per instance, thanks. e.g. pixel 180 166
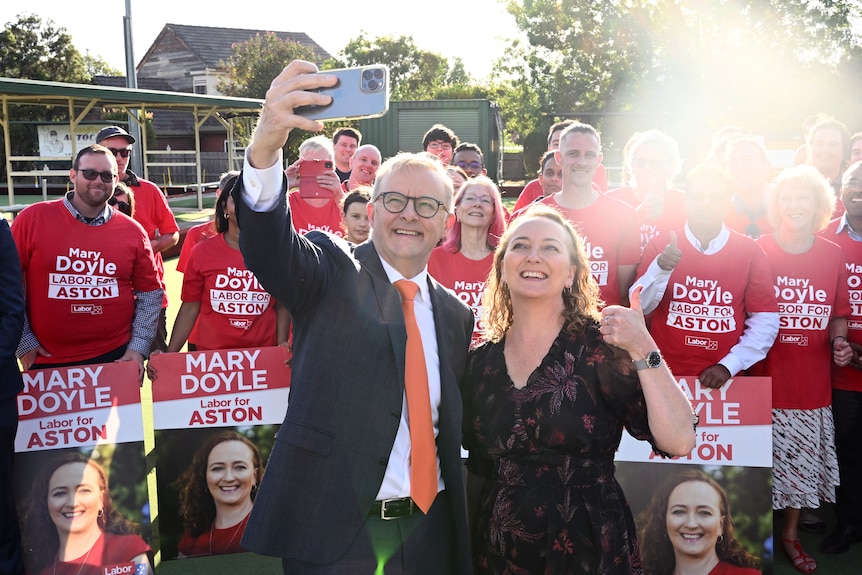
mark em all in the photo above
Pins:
pixel 388 302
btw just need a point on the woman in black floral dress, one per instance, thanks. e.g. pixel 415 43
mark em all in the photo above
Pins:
pixel 545 402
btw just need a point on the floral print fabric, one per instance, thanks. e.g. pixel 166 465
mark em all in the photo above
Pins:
pixel 550 503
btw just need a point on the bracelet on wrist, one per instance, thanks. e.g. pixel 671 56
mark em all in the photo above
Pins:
pixel 832 343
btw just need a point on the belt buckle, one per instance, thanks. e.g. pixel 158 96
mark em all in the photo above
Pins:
pixel 383 505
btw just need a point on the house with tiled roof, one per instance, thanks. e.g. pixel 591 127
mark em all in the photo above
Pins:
pixel 190 58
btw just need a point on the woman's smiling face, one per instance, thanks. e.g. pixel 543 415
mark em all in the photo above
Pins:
pixel 694 519
pixel 75 497
pixel 231 473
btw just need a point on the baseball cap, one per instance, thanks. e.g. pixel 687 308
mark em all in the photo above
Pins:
pixel 112 131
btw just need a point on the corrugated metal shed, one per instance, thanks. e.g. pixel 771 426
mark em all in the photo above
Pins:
pixel 404 125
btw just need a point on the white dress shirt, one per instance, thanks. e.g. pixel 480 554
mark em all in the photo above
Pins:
pixel 261 188
pixel 760 327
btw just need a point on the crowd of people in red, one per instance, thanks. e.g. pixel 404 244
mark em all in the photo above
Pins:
pixel 738 269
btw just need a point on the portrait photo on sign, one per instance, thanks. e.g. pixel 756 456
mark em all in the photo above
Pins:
pixel 207 479
pixel 697 514
pixel 85 510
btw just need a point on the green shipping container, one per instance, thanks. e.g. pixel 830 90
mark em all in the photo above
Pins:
pixel 402 128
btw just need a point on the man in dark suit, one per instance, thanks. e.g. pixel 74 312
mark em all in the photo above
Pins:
pixel 11 324
pixel 336 494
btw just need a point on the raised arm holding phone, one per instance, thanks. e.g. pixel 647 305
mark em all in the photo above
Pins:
pixel 343 492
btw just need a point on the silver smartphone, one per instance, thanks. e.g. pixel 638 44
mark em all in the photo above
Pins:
pixel 361 92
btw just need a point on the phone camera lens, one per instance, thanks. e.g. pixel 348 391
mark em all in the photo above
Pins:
pixel 378 73
pixel 373 84
pixel 366 75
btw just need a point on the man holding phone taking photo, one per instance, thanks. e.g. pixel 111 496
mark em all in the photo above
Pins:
pixel 343 492
pixel 317 204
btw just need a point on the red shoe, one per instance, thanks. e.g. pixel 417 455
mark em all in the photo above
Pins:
pixel 803 562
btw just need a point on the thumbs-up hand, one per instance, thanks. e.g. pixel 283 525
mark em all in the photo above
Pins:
pixel 669 258
pixel 625 328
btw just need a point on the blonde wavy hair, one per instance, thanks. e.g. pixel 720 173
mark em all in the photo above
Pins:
pixel 805 177
pixel 581 301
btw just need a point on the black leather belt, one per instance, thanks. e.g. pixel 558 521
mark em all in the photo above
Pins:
pixel 393 508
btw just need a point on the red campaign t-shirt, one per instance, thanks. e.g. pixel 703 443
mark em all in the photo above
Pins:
pixel 528 195
pixel 610 231
pixel 810 289
pixel 849 378
pixel 236 312
pixel 534 189
pixel 80 279
pixel 672 216
pixel 742 223
pixel 154 214
pixel 193 236
pixel 306 217
pixel 465 277
pixel 703 311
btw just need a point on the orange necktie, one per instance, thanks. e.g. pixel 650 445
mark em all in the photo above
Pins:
pixel 423 464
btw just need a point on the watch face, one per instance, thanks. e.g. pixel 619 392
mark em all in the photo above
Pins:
pixel 653 359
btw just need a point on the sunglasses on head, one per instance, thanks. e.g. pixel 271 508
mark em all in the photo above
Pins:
pixel 91 175
pixel 124 152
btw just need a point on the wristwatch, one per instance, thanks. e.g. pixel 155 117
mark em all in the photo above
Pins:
pixel 652 360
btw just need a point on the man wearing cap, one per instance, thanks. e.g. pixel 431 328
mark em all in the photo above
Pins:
pixel 91 288
pixel 151 211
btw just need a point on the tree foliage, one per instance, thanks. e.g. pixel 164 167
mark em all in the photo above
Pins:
pixel 251 69
pixel 98 66
pixel 681 65
pixel 415 74
pixel 34 50
pixel 256 62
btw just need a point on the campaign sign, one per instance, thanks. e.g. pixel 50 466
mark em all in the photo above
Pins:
pixel 735 425
pixel 728 472
pixel 80 470
pixel 215 416
pixel 79 406
pixel 220 388
pixel 683 506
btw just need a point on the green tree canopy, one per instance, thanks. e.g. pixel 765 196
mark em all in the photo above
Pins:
pixel 415 74
pixel 251 69
pixel 685 66
pixel 33 50
pixel 98 66
pixel 255 63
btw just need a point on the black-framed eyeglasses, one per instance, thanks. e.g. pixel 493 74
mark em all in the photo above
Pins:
pixel 124 152
pixel 474 166
pixel 396 202
pixel 439 146
pixel 91 175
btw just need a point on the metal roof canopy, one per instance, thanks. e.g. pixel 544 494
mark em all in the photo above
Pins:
pixel 81 99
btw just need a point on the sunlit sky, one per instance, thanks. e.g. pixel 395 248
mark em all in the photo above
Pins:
pixel 475 30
